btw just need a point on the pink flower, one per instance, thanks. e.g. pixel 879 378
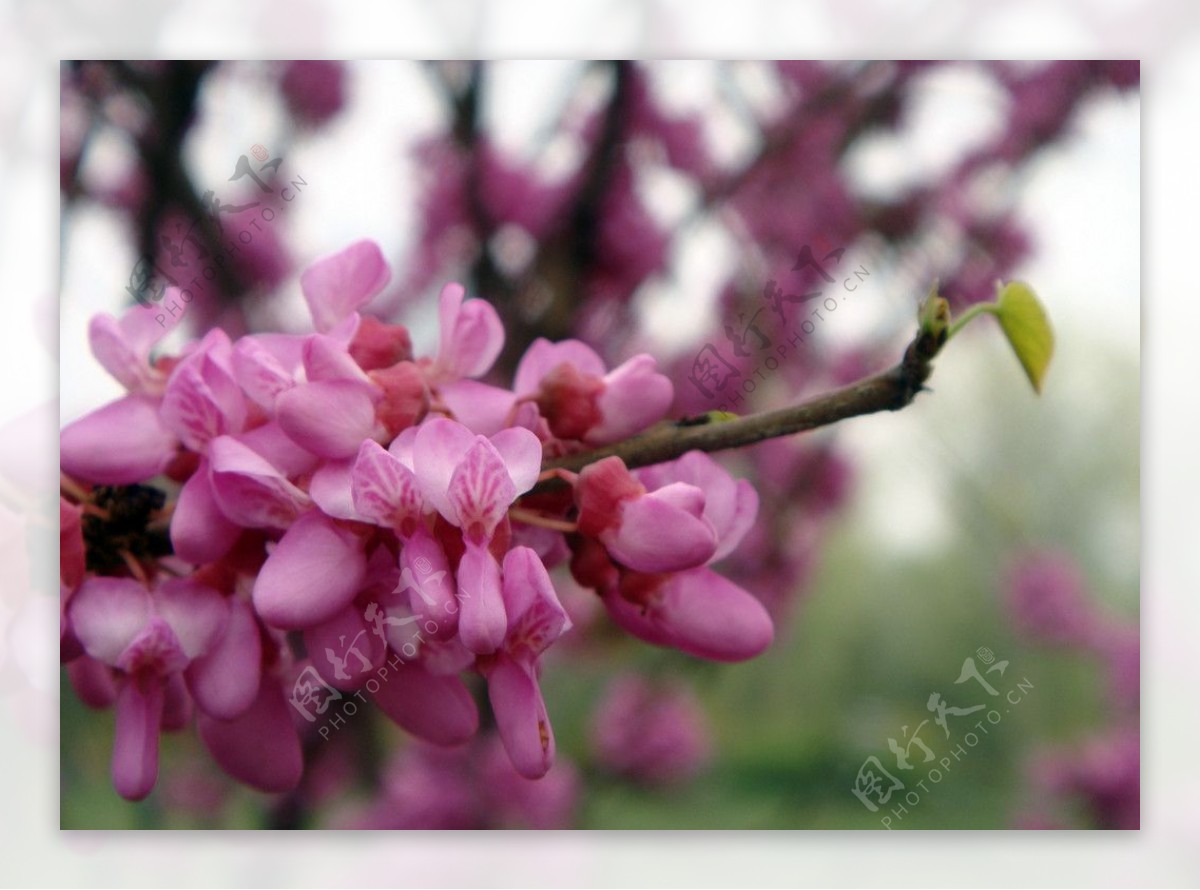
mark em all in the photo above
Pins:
pixel 471 336
pixel 471 481
pixel 123 347
pixel 314 572
pixel 653 735
pixel 535 620
pixel 581 401
pixel 1048 600
pixel 337 286
pixel 260 746
pixel 660 531
pixel 119 444
pixel 150 638
pixel 652 575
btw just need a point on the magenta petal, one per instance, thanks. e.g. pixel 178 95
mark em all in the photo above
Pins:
pixel 471 335
pixel 542 357
pixel 635 396
pixel 437 449
pixel 344 650
pixel 482 621
pixel 249 489
pixel 259 373
pixel 314 571
pixel 662 531
pixel 135 742
pixel 480 491
pixel 341 283
pixel 521 717
pixel 225 681
pixel 195 612
pixel 731 525
pixel 384 491
pixel 177 704
pixel 270 442
pixel 426 575
pixel 261 747
pixel 436 708
pixel 123 349
pixel 709 616
pixel 535 616
pixel 330 417
pixel 202 401
pixel 92 681
pixel 729 506
pixel 200 531
pixel 107 614
pixel 120 444
pixel 327 359
pixel 636 620
pixel 330 489
pixel 521 451
pixel 483 409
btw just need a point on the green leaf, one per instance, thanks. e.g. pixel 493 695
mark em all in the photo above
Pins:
pixel 1027 328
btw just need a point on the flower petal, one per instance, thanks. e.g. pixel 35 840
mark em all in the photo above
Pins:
pixel 123 348
pixel 202 401
pixel 663 531
pixel 635 396
pixel 471 336
pixel 384 490
pixel 196 613
pixel 92 681
pixel 224 681
pixel 135 740
pixel 339 284
pixel 330 489
pixel 729 506
pixel 200 530
pixel 542 357
pixel 314 571
pixel 521 451
pixel 483 409
pixel 260 747
pixel 482 622
pixel 249 489
pixel 521 717
pixel 438 448
pixel 535 616
pixel 107 614
pixel 329 417
pixel 344 650
pixel 259 373
pixel 709 616
pixel 481 491
pixel 327 359
pixel 120 444
pixel 436 708
pixel 425 572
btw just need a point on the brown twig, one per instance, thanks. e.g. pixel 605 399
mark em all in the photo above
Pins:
pixel 889 390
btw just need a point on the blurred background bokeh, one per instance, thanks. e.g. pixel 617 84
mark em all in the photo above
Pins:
pixel 645 207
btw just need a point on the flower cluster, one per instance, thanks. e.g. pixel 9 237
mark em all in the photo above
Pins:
pixel 347 511
pixel 1097 778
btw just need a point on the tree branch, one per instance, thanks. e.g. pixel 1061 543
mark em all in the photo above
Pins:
pixel 889 390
